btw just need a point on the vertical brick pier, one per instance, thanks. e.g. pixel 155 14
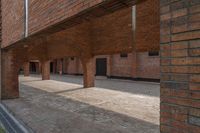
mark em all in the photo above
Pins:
pixel 180 66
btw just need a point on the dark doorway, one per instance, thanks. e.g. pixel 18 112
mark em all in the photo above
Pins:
pixel 51 67
pixel 101 67
pixel 33 67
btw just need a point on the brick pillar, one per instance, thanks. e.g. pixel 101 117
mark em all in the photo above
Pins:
pixel 26 68
pixel 180 66
pixel 109 66
pixel 45 70
pixel 9 76
pixel 65 65
pixel 60 66
pixel 134 65
pixel 88 71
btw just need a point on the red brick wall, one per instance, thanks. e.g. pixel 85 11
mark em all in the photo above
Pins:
pixel 121 67
pixel 12 21
pixel 180 66
pixel 59 66
pixel 147 26
pixel 73 66
pixel 44 13
pixel 148 66
pixel 112 33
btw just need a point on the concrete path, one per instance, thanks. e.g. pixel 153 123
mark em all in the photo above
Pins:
pixel 61 105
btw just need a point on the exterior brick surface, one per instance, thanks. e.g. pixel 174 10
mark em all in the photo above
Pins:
pixel 26 68
pixel 180 43
pixel 148 66
pixel 145 66
pixel 9 76
pixel 147 26
pixel 88 72
pixel 121 66
pixel 12 21
pixel 48 17
pixel 45 70
pixel 50 12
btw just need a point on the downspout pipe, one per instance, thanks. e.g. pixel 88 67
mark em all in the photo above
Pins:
pixel 134 25
pixel 26 3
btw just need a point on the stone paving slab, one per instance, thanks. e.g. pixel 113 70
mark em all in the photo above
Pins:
pixel 55 106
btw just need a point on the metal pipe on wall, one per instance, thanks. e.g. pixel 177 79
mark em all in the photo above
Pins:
pixel 26 3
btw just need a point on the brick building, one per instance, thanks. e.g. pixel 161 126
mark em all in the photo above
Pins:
pixel 143 65
pixel 46 30
pixel 136 65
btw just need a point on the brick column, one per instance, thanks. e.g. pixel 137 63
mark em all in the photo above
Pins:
pixel 45 70
pixel 9 76
pixel 26 68
pixel 60 66
pixel 180 66
pixel 109 65
pixel 88 71
pixel 65 65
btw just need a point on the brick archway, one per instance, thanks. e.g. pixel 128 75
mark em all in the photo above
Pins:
pixel 179 44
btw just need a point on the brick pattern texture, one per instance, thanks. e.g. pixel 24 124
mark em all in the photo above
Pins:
pixel 50 12
pixel 146 66
pixel 180 66
pixel 147 26
pixel 12 21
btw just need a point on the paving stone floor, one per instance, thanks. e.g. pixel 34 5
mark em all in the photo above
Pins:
pixel 61 105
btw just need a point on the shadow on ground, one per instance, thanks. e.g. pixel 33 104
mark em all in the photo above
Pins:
pixel 48 112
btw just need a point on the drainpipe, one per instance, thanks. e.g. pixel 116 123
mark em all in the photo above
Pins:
pixel 134 60
pixel 26 18
pixel 134 18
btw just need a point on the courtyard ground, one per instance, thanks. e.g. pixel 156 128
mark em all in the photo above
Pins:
pixel 61 105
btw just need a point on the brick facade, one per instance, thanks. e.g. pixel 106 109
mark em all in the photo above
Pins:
pixel 180 79
pixel 48 17
pixel 179 44
pixel 147 26
pixel 12 21
pixel 147 67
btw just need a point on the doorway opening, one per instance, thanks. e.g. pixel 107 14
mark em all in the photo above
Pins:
pixel 101 67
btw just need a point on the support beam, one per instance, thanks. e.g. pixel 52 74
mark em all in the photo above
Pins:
pixel 9 77
pixel 45 70
pixel 88 72
pixel 26 68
